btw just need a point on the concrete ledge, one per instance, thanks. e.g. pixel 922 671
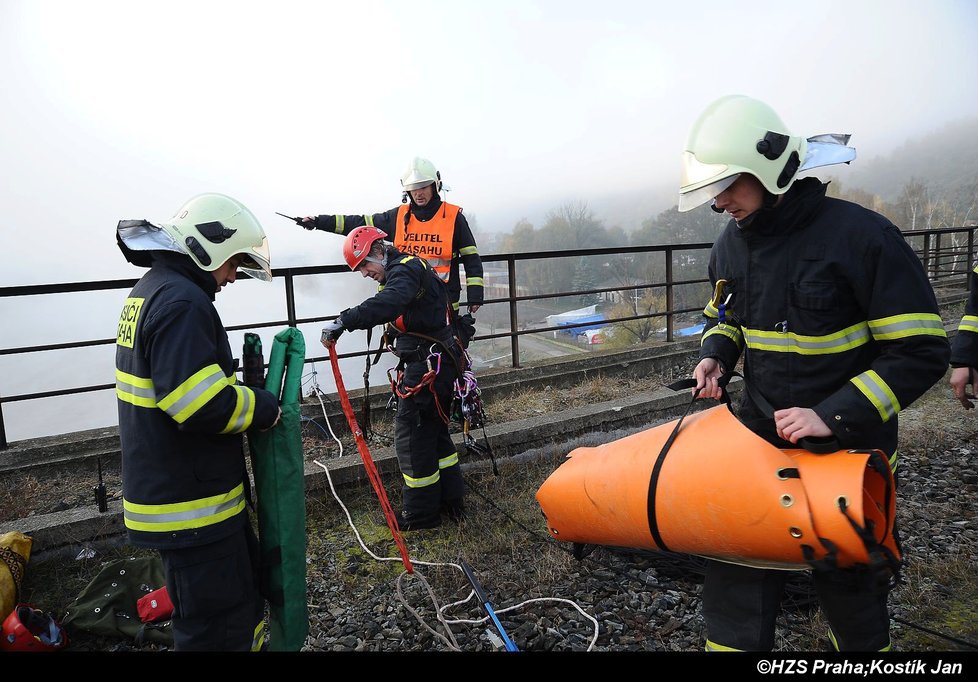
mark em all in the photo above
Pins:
pixel 63 532
pixel 83 447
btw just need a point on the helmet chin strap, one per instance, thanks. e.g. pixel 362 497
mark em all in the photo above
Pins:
pixel 379 261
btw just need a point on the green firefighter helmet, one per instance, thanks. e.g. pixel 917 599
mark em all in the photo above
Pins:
pixel 420 173
pixel 734 135
pixel 211 228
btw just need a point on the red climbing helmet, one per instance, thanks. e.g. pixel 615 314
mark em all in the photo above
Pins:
pixel 29 629
pixel 356 248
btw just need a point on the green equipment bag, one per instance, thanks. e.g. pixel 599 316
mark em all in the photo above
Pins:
pixel 107 605
pixel 278 464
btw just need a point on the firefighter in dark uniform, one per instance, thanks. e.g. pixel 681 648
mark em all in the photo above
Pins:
pixel 423 225
pixel 964 348
pixel 413 302
pixel 182 415
pixel 838 326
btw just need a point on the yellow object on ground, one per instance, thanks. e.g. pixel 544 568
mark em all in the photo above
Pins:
pixel 15 552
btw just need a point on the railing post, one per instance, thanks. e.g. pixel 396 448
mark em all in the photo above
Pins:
pixel 926 255
pixel 290 299
pixel 670 323
pixel 938 257
pixel 971 251
pixel 3 431
pixel 513 317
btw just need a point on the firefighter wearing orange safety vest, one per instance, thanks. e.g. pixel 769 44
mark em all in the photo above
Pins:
pixel 425 226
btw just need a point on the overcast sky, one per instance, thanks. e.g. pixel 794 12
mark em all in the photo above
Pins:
pixel 112 110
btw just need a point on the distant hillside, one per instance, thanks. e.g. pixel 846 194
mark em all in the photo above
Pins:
pixel 945 161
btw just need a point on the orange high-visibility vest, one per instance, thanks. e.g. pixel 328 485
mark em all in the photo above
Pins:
pixel 431 240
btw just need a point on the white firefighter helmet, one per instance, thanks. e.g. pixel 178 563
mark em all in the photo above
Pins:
pixel 734 135
pixel 210 228
pixel 420 173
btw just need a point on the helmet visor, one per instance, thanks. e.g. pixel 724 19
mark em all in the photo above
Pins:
pixel 697 197
pixel 413 184
pixel 257 262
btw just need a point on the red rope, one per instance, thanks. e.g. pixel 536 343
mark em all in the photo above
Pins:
pixel 368 462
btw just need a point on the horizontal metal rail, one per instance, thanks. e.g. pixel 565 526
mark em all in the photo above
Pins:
pixel 933 247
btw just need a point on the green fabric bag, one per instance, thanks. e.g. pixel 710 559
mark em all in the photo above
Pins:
pixel 107 605
pixel 278 466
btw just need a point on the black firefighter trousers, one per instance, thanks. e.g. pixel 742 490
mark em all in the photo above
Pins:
pixel 214 590
pixel 425 451
pixel 741 604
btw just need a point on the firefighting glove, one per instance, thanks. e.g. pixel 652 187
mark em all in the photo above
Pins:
pixel 466 329
pixel 333 330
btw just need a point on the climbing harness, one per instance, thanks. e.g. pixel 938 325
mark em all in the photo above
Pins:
pixel 469 412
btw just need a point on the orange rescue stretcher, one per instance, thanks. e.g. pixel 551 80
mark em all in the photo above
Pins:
pixel 720 491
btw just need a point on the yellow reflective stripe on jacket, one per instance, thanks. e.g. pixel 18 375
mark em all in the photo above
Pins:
pixel 258 637
pixel 244 411
pixel 467 251
pixel 711 311
pixel 441 266
pixel 731 332
pixel 969 323
pixel 474 281
pixel 422 482
pixel 911 324
pixel 713 646
pixel 340 224
pixel 877 392
pixel 184 401
pixel 446 462
pixel 894 461
pixel 163 518
pixel 368 220
pixel 135 390
pixel 838 342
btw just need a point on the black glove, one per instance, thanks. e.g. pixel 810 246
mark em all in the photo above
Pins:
pixel 306 223
pixel 465 329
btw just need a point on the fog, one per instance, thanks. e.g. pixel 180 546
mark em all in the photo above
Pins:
pixel 112 110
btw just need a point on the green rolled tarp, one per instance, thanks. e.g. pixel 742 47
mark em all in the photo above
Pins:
pixel 277 463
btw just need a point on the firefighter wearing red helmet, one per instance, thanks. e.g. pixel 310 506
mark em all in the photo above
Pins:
pixel 413 301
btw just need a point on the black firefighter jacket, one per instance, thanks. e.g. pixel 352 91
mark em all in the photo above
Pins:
pixel 412 297
pixel 181 412
pixel 964 346
pixel 832 311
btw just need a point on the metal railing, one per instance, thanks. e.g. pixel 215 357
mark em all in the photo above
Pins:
pixel 945 253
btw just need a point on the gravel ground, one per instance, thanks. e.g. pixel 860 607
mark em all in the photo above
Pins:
pixel 612 600
pixel 641 601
